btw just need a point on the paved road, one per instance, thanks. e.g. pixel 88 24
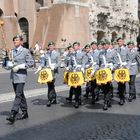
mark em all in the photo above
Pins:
pixel 63 122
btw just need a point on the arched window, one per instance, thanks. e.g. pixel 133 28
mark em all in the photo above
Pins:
pixel 23 23
pixel 40 2
pixel 1 12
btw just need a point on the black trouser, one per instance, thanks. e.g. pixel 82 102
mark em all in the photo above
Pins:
pixel 94 89
pixel 132 88
pixel 107 92
pixel 20 100
pixel 71 92
pixel 77 92
pixel 88 88
pixel 122 90
pixel 51 91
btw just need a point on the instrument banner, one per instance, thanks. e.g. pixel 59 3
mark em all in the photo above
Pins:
pixel 75 79
pixel 45 76
pixel 103 76
pixel 88 74
pixel 122 75
pixel 65 77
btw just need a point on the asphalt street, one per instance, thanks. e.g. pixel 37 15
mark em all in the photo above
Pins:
pixel 63 121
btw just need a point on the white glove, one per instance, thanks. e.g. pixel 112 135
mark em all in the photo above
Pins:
pixel 67 68
pixel 82 69
pixel 92 73
pixel 52 67
pixel 39 68
pixel 10 64
pixel 87 66
pixel 21 66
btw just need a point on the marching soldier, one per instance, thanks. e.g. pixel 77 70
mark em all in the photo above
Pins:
pixel 123 53
pixel 89 62
pixel 133 69
pixel 21 60
pixel 76 64
pixel 52 61
pixel 68 59
pixel 107 60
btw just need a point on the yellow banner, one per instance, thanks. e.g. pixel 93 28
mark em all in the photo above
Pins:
pixel 88 74
pixel 45 76
pixel 122 75
pixel 75 79
pixel 103 76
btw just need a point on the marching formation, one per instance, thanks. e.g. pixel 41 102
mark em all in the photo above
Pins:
pixel 97 65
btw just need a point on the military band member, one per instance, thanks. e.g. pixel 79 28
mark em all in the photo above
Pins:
pixel 76 64
pixel 89 61
pixel 21 59
pixel 123 52
pixel 51 60
pixel 87 64
pixel 67 60
pixel 133 69
pixel 107 59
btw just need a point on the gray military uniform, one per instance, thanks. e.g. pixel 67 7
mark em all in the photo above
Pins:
pixel 21 56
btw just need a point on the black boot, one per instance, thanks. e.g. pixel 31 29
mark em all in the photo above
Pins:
pixel 24 115
pixel 105 106
pixel 130 98
pixel 12 117
pixel 76 105
pixel 134 97
pixel 48 103
pixel 109 104
pixel 122 101
pixel 54 101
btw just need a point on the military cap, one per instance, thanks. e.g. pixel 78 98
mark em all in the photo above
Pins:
pixel 18 36
pixel 87 46
pixel 69 46
pixel 76 43
pixel 119 38
pixel 93 42
pixel 51 43
pixel 101 43
pixel 130 43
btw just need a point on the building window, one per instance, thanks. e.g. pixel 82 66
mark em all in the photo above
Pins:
pixel 40 2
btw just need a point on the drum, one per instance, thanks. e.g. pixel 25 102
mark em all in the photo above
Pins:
pixel 122 75
pixel 88 75
pixel 65 77
pixel 103 76
pixel 75 79
pixel 45 76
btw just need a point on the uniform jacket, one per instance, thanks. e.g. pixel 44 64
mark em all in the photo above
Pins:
pixel 22 56
pixel 133 68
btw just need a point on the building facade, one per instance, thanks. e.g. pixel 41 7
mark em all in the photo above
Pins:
pixel 66 21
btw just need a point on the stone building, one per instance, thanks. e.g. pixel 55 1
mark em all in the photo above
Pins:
pixel 66 21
